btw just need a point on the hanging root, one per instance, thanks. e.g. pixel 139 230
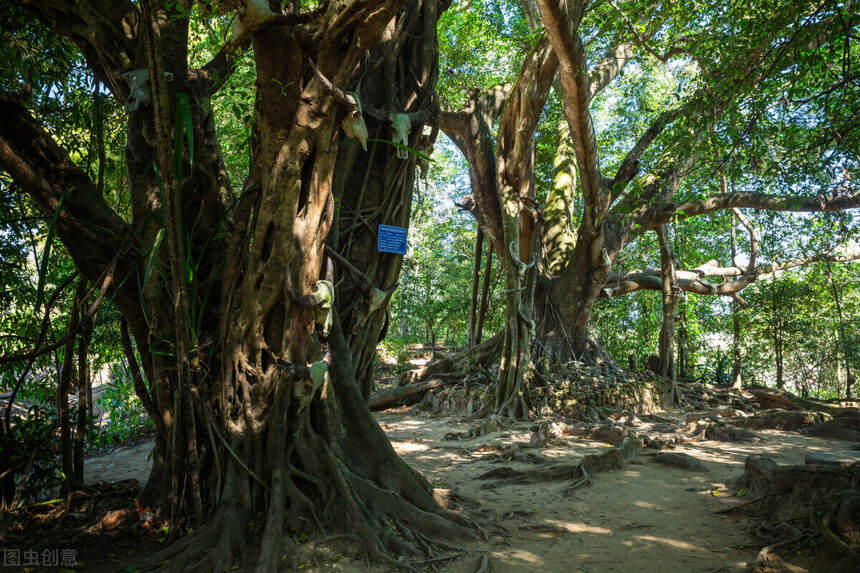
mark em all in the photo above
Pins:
pixel 321 495
pixel 488 426
pixel 381 519
pixel 211 547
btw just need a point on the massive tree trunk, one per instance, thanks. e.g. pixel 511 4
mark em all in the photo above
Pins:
pixel 520 227
pixel 504 204
pixel 252 366
pixel 373 187
pixel 614 211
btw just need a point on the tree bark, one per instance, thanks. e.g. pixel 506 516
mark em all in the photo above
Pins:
pixel 560 206
pixel 255 375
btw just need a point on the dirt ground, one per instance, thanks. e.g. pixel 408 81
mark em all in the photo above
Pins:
pixel 643 518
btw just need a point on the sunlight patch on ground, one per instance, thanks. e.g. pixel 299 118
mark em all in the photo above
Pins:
pixel 578 527
pixel 405 425
pixel 518 557
pixel 675 543
pixel 407 447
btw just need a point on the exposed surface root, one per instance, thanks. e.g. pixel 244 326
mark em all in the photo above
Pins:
pixel 778 419
pixel 802 506
pixel 579 473
pixel 662 435
pixel 484 565
pixel 375 524
pixel 481 355
pixel 488 426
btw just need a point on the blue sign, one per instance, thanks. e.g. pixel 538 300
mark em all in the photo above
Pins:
pixel 391 239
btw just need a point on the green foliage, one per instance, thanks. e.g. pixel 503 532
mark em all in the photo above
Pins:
pixel 481 44
pixel 33 436
pixel 433 300
pixel 126 417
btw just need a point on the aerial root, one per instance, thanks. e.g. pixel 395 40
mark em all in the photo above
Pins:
pixel 484 566
pixel 768 556
pixel 804 506
pixel 211 547
pixel 397 522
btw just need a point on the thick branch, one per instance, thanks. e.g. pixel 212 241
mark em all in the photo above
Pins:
pixel 663 212
pixel 630 166
pixel 87 226
pixel 608 69
pixel 471 130
pixel 561 20
pixel 694 280
pixel 104 30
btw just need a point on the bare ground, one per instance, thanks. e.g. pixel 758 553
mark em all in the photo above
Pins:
pixel 645 517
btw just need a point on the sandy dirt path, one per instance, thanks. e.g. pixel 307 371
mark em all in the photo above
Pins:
pixel 642 518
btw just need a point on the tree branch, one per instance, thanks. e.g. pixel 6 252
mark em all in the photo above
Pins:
pixel 104 30
pixel 471 130
pixel 561 20
pixel 91 231
pixel 693 280
pixel 608 69
pixel 630 165
pixel 663 212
